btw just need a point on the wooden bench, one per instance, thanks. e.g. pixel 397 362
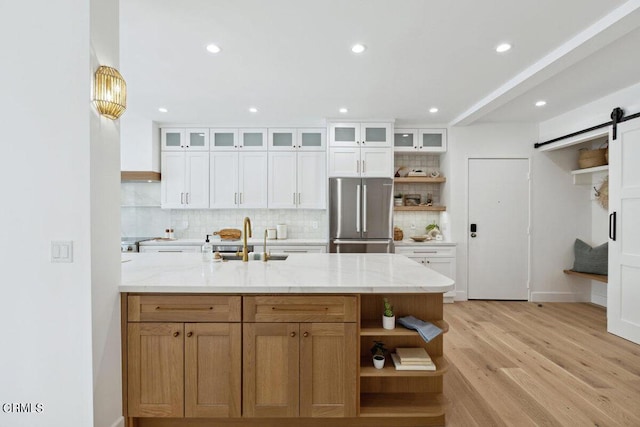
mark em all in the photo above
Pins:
pixel 599 277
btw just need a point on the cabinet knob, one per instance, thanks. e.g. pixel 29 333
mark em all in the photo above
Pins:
pixel 306 334
pixel 293 334
pixel 189 334
pixel 422 261
pixel 175 334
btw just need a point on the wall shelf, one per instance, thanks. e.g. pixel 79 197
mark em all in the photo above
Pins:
pixel 389 370
pixel 419 179
pixel 420 208
pixel 373 329
pixel 599 277
pixel 583 176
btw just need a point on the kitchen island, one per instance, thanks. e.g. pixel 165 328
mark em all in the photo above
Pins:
pixel 281 343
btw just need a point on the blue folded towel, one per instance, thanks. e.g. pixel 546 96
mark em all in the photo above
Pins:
pixel 427 330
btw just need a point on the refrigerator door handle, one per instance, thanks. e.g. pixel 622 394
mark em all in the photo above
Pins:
pixel 360 242
pixel 364 207
pixel 357 208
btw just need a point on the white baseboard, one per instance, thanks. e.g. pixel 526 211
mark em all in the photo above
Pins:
pixel 600 300
pixel 461 296
pixel 118 423
pixel 558 297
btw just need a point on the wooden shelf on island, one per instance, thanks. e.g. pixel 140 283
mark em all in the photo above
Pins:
pixel 401 405
pixel 389 370
pixel 420 208
pixel 599 277
pixel 419 179
pixel 372 328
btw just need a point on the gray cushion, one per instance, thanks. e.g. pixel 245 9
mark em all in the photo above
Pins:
pixel 591 260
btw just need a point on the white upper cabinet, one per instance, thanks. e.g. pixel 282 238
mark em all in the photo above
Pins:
pixel 185 180
pixel 180 139
pixel 282 139
pixel 297 180
pixel 312 139
pixel 312 180
pixel 238 180
pixel 306 139
pixel 224 180
pixel 223 139
pixel 376 162
pixel 420 140
pixel 253 139
pixel 360 134
pixel 344 161
pixel 282 180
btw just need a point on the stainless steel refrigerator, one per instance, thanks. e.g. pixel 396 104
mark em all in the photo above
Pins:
pixel 360 215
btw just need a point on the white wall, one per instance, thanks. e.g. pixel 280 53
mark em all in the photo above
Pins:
pixel 583 117
pixel 141 144
pixel 558 212
pixel 45 172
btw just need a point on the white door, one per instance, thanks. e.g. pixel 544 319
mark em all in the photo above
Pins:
pixel 252 185
pixel 197 180
pixel 312 180
pixel 282 180
pixel 344 162
pixel 499 246
pixel 223 184
pixel 172 183
pixel 623 290
pixel 376 162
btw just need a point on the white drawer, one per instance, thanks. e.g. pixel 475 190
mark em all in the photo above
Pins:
pixel 170 248
pixel 427 251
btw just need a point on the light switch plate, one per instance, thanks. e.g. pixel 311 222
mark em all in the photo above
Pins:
pixel 61 251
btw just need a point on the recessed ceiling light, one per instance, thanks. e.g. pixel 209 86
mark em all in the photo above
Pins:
pixel 503 47
pixel 163 110
pixel 404 135
pixel 212 48
pixel 433 110
pixel 358 48
pixel 541 103
pixel 253 110
pixel 343 110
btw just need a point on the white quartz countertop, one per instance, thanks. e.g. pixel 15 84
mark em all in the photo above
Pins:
pixel 409 242
pixel 251 241
pixel 300 273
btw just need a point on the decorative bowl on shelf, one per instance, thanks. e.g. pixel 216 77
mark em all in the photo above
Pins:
pixel 419 238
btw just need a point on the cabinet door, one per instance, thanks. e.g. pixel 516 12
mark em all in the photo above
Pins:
pixel 344 162
pixel 405 140
pixel 252 188
pixel 432 140
pixel 282 180
pixel 312 139
pixel 270 385
pixel 375 135
pixel 376 162
pixel 197 180
pixel 223 139
pixel 155 371
pixel 444 266
pixel 283 139
pixel 197 139
pixel 223 184
pixel 212 369
pixel 328 365
pixel 312 180
pixel 344 135
pixel 172 183
pixel 173 139
pixel 253 139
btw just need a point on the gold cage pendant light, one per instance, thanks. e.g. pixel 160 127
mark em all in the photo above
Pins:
pixel 110 92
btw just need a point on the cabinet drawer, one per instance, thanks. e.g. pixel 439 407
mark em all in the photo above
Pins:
pixel 184 308
pixel 427 251
pixel 300 309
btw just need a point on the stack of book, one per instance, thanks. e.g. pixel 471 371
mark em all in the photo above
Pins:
pixel 412 359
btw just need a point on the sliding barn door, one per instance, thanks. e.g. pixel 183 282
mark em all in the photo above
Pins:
pixel 623 295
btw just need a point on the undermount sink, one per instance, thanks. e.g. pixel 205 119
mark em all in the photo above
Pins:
pixel 274 257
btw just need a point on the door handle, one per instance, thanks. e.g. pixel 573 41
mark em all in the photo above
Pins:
pixel 612 226
pixel 235 198
pixel 473 234
pixel 364 167
pixel 358 166
pixel 357 208
pixel 182 198
pixel 187 198
pixel 364 206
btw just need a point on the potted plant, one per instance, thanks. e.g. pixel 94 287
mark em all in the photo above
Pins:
pixel 378 350
pixel 388 318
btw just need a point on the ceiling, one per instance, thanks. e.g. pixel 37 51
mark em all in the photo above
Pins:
pixel 292 59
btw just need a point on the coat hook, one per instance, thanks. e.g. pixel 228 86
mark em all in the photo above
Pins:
pixel 597 192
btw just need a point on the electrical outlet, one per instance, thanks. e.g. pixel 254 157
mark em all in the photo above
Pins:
pixel 413 226
pixel 314 225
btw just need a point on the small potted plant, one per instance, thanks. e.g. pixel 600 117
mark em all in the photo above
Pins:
pixel 388 318
pixel 378 350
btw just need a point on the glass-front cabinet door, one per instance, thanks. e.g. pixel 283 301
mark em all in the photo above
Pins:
pixel 223 139
pixel 433 140
pixel 375 134
pixel 253 139
pixel 173 139
pixel 312 139
pixel 197 139
pixel 405 140
pixel 344 134
pixel 282 139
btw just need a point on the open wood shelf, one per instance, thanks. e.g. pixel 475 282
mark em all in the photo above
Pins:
pixel 401 405
pixel 389 370
pixel 420 208
pixel 599 277
pixel 372 328
pixel 419 179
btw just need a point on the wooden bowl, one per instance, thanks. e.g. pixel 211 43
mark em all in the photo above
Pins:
pixel 418 238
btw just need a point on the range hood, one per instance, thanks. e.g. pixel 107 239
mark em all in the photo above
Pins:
pixel 139 176
pixel 139 149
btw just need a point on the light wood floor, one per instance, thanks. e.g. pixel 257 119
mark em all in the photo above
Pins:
pixel 520 364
